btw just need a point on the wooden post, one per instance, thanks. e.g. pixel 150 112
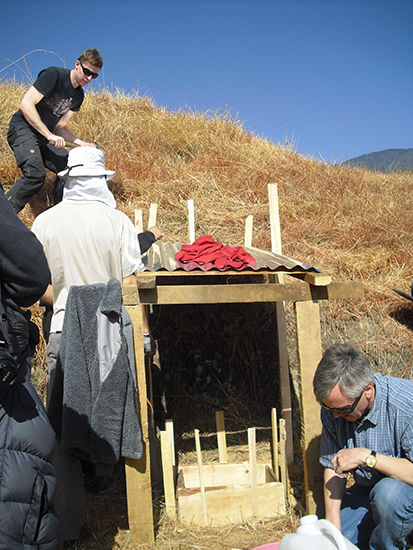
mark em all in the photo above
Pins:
pixel 253 471
pixel 152 215
pixel 191 220
pixel 222 444
pixel 286 411
pixel 248 231
pixel 169 427
pixel 168 475
pixel 283 460
pixel 310 353
pixel 201 476
pixel 275 444
pixel 138 221
pixel 138 472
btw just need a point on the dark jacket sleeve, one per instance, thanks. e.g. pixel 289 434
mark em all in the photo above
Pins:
pixel 24 272
pixel 146 240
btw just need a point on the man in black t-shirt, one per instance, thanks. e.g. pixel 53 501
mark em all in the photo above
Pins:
pixel 43 117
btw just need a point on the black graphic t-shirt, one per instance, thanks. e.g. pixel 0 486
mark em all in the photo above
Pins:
pixel 59 97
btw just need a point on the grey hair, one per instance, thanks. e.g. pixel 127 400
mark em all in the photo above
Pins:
pixel 345 366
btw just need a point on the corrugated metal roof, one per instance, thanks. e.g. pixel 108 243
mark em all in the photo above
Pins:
pixel 161 257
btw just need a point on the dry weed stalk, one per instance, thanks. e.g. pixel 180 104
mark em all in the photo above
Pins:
pixel 350 223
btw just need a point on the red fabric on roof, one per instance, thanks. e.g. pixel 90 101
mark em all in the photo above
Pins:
pixel 206 253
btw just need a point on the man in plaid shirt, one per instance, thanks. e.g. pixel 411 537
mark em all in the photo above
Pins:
pixel 367 430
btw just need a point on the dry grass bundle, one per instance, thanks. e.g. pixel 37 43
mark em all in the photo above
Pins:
pixel 350 223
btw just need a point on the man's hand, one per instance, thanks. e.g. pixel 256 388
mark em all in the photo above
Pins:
pixel 57 141
pixel 159 233
pixel 349 459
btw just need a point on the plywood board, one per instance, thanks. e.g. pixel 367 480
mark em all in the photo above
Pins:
pixel 230 504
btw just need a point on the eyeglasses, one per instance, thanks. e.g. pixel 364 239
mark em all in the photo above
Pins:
pixel 344 410
pixel 88 72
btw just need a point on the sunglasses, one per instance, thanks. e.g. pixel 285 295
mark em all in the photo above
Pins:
pixel 344 410
pixel 88 72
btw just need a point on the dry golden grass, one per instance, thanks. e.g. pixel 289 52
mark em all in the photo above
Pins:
pixel 350 223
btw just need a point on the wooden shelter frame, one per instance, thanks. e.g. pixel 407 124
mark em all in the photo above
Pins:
pixel 172 288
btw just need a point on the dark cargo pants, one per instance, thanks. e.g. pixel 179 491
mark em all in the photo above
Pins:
pixel 33 154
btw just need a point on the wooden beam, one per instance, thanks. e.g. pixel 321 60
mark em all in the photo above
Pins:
pixel 266 292
pixel 317 279
pixel 309 354
pixel 138 472
pixel 284 372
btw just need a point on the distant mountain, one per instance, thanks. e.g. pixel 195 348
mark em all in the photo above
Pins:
pixel 385 161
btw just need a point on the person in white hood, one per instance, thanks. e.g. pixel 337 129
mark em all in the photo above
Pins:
pixel 86 241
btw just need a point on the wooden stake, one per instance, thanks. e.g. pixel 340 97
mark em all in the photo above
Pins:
pixel 191 220
pixel 221 437
pixel 274 219
pixel 169 427
pixel 138 472
pixel 201 477
pixel 284 469
pixel 309 355
pixel 253 471
pixel 275 444
pixel 286 411
pixel 168 475
pixel 138 221
pixel 152 215
pixel 248 231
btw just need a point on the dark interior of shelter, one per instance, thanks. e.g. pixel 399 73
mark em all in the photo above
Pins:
pixel 215 357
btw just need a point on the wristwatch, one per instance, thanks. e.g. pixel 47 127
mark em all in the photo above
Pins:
pixel 371 459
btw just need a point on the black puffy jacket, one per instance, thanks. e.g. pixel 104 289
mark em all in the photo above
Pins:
pixel 28 481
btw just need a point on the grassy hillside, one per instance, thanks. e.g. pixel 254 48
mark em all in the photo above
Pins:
pixel 348 222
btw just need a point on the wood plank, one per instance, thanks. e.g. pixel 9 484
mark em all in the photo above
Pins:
pixel 191 221
pixel 168 475
pixel 248 231
pixel 231 504
pixel 236 293
pixel 317 279
pixel 169 427
pixel 309 354
pixel 283 460
pixel 221 437
pixel 284 372
pixel 253 470
pixel 147 282
pixel 153 211
pixel 275 461
pixel 138 472
pixel 138 221
pixel 218 475
pixel 274 218
pixel 201 477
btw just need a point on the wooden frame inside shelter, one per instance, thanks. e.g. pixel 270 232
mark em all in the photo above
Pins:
pixel 180 287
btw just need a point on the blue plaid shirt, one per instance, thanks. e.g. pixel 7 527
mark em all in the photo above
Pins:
pixel 386 429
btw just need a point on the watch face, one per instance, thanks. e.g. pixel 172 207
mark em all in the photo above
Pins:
pixel 371 461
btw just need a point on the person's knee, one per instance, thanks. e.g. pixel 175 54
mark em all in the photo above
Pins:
pixel 385 498
pixel 34 170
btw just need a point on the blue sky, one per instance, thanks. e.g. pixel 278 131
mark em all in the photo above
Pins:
pixel 333 76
